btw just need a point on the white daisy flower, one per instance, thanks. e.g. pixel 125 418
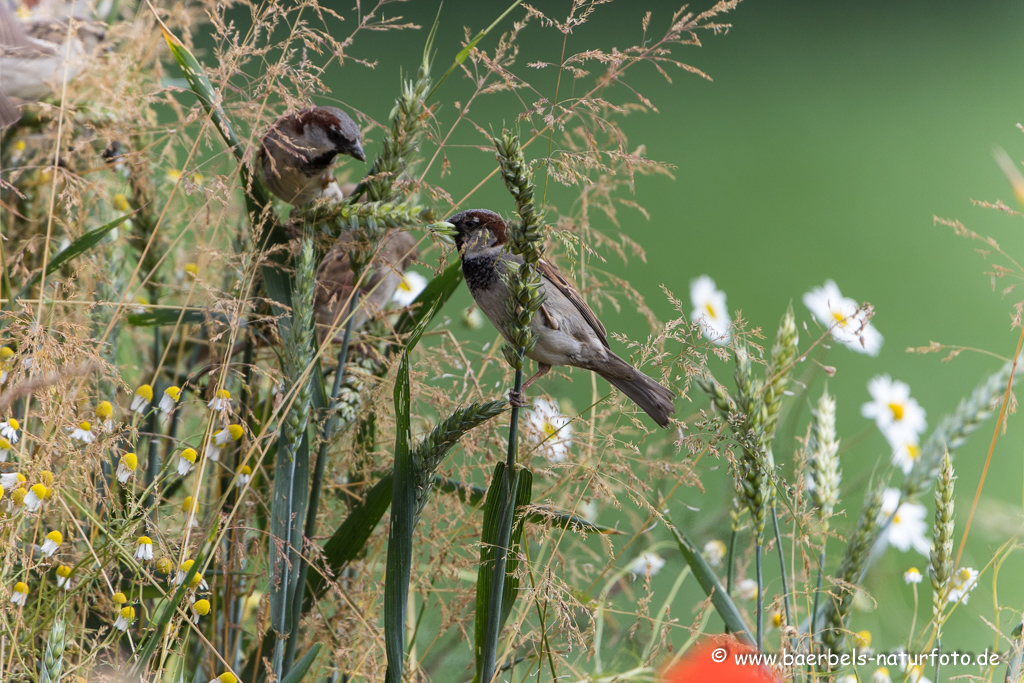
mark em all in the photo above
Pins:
pixel 913 575
pixel 844 318
pixel 220 438
pixel 710 310
pixel 83 433
pixel 409 288
pixel 105 415
pixel 6 362
pixel 221 401
pixel 915 674
pixel 747 589
pixel 881 675
pixel 898 416
pixel 907 455
pixel 143 397
pixel 186 461
pixel 124 618
pixel 226 677
pixel 908 527
pixel 35 497
pixel 20 594
pixel 126 467
pixel 588 511
pixel 200 608
pixel 10 480
pixel 170 399
pixel 64 577
pixel 52 543
pixel 961 584
pixel 9 430
pixel 551 428
pixel 714 552
pixel 144 549
pixel 244 476
pixel 189 508
pixel 645 562
pixel 848 678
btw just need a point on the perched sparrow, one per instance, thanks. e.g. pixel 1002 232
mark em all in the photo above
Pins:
pixel 334 282
pixel 567 331
pixel 38 56
pixel 296 155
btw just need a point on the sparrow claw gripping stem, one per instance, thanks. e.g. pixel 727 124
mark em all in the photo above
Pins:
pixel 517 398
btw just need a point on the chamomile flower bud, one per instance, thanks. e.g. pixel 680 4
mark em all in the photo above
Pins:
pixel 121 202
pixel 140 305
pixel 124 618
pixel 144 549
pixel 9 430
pixel 20 594
pixel 164 565
pixel 186 461
pixel 83 433
pixel 226 677
pixel 17 500
pixel 64 577
pixel 244 476
pixel 200 608
pixel 10 480
pixel 119 598
pixel 170 399
pixel 221 401
pixel 473 318
pixel 35 497
pixel 192 269
pixel 913 575
pixel 52 543
pixel 199 582
pixel 105 415
pixel 5 449
pixel 143 397
pixel 46 477
pixel 126 467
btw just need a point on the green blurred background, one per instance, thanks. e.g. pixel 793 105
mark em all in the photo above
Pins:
pixel 830 136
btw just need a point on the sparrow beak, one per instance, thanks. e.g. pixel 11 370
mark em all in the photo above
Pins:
pixel 356 151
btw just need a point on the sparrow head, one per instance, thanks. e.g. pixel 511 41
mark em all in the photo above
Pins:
pixel 477 229
pixel 329 128
pixel 310 139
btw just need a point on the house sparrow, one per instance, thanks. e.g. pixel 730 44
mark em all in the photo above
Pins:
pixel 37 57
pixel 334 282
pixel 567 331
pixel 297 153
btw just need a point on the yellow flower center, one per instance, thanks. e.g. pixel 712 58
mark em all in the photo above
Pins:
pixel 85 426
pixel 404 285
pixel 14 424
pixel 840 318
pixel 549 428
pixel 913 451
pixel 711 310
pixel 145 391
pixel 897 411
pixel 896 518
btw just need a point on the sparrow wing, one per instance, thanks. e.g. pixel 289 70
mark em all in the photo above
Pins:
pixel 12 31
pixel 9 113
pixel 551 274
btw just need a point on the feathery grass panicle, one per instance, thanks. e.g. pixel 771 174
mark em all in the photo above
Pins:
pixel 940 567
pixel 823 458
pixel 851 568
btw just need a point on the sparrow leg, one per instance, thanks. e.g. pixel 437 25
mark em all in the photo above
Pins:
pixel 518 398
